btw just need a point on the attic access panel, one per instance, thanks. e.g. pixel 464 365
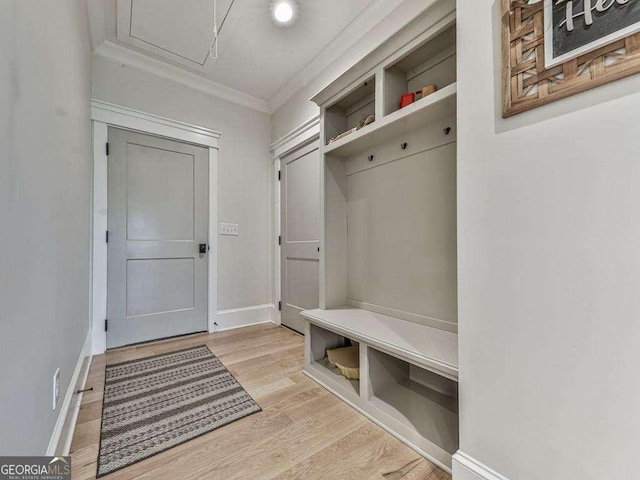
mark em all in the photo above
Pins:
pixel 178 31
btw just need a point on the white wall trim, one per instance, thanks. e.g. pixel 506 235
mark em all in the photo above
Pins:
pixel 297 138
pixel 60 442
pixel 465 467
pixel 131 119
pixel 243 317
pixel 104 115
pixel 124 55
pixel 276 316
pixel 213 239
pixel 99 246
pixel 366 24
pixel 395 13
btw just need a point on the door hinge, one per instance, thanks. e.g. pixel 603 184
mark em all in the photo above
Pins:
pixel 106 236
pixel 107 149
pixel 279 239
pixel 106 324
pixel 279 175
pixel 280 306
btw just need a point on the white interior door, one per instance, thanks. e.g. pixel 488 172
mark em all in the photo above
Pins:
pixel 300 228
pixel 158 236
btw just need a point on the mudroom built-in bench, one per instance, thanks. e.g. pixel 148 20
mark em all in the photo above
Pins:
pixel 388 248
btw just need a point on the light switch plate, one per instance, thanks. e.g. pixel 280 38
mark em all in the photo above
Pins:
pixel 230 229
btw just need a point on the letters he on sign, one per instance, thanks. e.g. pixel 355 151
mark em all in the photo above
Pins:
pixel 575 27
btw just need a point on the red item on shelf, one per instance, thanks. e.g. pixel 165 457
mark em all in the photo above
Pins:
pixel 407 99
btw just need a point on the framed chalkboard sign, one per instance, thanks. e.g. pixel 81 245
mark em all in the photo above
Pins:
pixel 575 27
pixel 552 49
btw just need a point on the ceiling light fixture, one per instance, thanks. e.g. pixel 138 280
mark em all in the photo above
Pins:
pixel 283 12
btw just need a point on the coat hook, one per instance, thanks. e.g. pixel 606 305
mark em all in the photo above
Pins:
pixel 370 157
pixel 404 146
pixel 447 130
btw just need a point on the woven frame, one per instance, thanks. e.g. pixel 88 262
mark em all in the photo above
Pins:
pixel 527 84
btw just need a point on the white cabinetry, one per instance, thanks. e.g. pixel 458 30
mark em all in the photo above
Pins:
pixel 388 253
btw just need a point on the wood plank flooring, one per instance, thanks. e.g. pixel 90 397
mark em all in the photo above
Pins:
pixel 303 432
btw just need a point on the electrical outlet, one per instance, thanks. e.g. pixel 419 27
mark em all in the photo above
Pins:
pixel 56 388
pixel 230 229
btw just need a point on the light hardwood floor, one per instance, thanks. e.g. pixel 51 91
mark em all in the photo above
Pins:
pixel 303 432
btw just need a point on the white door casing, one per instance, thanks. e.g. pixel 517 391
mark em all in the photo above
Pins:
pixel 305 134
pixel 104 115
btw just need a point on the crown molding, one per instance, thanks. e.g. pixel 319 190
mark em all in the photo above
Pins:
pixel 124 55
pixel 375 24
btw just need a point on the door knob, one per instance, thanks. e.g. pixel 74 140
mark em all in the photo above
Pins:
pixel 203 248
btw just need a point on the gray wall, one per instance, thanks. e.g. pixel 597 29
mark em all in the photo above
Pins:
pixel 549 272
pixel 45 173
pixel 244 170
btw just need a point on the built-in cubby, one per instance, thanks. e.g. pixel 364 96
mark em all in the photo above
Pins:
pixel 350 111
pixel 322 340
pixel 419 400
pixel 388 248
pixel 408 375
pixel 432 63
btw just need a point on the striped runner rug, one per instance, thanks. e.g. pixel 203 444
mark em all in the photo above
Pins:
pixel 159 402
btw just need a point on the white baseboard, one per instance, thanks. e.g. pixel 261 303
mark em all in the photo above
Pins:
pixel 466 467
pixel 276 316
pixel 60 442
pixel 242 317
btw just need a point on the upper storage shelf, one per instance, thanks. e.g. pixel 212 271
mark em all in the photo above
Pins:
pixel 355 111
pixel 406 91
pixel 417 115
pixel 431 64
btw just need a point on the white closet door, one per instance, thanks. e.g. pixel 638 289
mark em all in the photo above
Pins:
pixel 300 226
pixel 158 235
